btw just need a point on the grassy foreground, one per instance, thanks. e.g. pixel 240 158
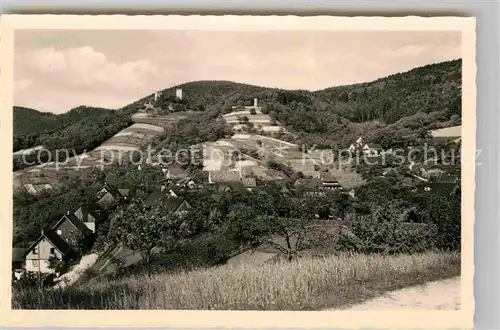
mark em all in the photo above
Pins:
pixel 304 284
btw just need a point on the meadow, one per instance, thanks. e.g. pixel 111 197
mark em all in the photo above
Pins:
pixel 307 283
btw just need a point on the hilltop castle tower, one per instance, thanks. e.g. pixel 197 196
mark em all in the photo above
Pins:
pixel 178 93
pixel 157 96
pixel 255 102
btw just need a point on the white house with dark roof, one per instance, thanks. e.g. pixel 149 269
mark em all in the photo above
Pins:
pixel 49 244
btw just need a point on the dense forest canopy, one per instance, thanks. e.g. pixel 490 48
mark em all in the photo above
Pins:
pixel 425 89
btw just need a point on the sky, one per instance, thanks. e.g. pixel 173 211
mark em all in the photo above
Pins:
pixel 57 70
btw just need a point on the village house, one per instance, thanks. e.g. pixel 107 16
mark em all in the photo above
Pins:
pixel 312 187
pixel 367 149
pixel 175 205
pixel 234 186
pixel 185 182
pixel 330 182
pixel 174 191
pixel 109 197
pixel 175 172
pixel 88 217
pixel 249 183
pixel 49 244
pixel 224 176
pixel 70 229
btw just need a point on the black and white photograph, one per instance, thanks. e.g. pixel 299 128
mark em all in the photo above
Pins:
pixel 238 170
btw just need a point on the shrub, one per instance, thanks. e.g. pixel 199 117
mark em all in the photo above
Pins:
pixel 384 231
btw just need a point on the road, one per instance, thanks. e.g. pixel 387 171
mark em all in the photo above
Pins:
pixel 438 295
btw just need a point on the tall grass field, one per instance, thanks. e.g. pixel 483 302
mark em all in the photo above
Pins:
pixel 309 283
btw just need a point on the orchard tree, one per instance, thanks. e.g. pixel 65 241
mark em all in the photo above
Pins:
pixel 142 228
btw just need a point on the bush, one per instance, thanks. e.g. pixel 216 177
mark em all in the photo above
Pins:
pixel 384 231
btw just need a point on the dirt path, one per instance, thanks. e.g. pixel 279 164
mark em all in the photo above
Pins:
pixel 437 295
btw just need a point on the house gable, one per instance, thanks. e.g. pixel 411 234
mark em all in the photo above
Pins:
pixel 85 214
pixel 70 228
pixel 47 245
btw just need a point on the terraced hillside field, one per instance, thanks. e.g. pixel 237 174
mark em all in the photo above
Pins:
pixel 217 157
pixel 260 121
pixel 136 137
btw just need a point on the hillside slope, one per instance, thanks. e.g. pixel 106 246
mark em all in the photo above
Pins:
pixel 424 89
pixel 32 127
pixel 427 97
pixel 30 121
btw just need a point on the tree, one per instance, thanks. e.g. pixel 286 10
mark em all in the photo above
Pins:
pixel 81 244
pixel 423 134
pixel 253 112
pixel 59 266
pixel 283 222
pixel 243 119
pixel 142 228
pixel 294 228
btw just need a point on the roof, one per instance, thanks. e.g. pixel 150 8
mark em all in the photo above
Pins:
pixel 124 192
pixel 18 254
pixel 448 179
pixel 84 212
pixel 177 189
pixel 375 146
pixel 75 222
pixel 237 186
pixel 328 177
pixel 249 182
pixel 183 181
pixel 309 183
pixel 170 202
pixel 173 203
pixel 54 239
pixel 224 176
pixel 175 170
pixel 107 189
pixel 58 242
pixel 154 196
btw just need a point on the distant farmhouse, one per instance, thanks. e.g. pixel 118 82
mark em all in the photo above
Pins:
pixel 108 197
pixel 365 148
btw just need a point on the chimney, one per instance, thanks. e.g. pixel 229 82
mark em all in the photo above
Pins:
pixel 255 102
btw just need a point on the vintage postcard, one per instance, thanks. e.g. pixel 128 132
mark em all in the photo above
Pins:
pixel 231 171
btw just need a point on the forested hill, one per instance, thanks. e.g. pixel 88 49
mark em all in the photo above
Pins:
pixel 427 97
pixel 425 89
pixel 30 121
pixel 81 126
